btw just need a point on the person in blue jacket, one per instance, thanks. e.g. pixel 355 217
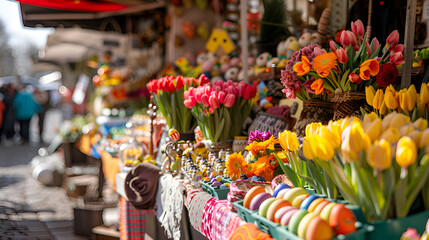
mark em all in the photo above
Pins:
pixel 25 107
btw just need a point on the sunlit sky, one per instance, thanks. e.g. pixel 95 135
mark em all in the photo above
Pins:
pixel 10 15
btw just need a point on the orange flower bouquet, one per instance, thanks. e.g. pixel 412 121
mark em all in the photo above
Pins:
pixel 352 65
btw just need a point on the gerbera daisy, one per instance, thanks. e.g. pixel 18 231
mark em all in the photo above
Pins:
pixel 236 165
pixel 324 63
pixel 256 147
pixel 263 167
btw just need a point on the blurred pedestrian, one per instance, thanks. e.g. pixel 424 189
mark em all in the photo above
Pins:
pixel 25 107
pixel 8 123
pixel 2 108
pixel 43 99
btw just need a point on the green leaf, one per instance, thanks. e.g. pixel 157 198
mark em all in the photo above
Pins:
pixel 414 189
pixel 219 130
pixel 227 128
pixel 290 174
pixel 363 48
pixel 400 197
pixel 345 78
pixel 388 183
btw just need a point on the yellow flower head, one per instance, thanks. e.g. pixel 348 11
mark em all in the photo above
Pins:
pixel 406 152
pixel 373 129
pixel 421 124
pixel 370 117
pixel 416 136
pixel 335 128
pixel 312 129
pixel 288 140
pixel 406 102
pixel 399 120
pixel 405 129
pixel 391 135
pixel 413 94
pixel 330 138
pixel 306 148
pixel 424 94
pixel 380 155
pixel 356 138
pixel 391 100
pixel 378 99
pixel 369 93
pixel 320 149
pixel 424 141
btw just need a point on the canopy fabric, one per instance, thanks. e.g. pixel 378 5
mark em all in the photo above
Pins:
pixel 77 5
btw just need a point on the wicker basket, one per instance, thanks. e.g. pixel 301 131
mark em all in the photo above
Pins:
pixel 313 111
pixel 348 104
pixel 223 145
pixel 239 144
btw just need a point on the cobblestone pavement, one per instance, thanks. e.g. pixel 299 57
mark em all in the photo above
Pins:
pixel 28 209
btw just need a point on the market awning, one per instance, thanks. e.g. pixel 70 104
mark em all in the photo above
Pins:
pixel 66 13
pixel 75 44
pixel 77 5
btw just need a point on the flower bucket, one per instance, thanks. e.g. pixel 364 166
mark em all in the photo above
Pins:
pixel 313 111
pixel 348 104
pixel 393 228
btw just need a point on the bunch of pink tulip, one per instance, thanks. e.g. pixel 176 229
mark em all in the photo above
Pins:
pixel 221 108
pixel 356 50
pixel 168 96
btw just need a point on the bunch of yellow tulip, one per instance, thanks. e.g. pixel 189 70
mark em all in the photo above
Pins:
pixel 407 101
pixel 300 173
pixel 372 162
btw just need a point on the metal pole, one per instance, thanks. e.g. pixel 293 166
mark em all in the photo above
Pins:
pixel 244 38
pixel 410 26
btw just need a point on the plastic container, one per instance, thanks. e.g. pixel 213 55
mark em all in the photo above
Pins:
pixel 394 228
pixel 243 212
pixel 281 232
pixel 218 193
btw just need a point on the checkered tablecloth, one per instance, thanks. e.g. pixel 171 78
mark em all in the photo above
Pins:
pixel 133 221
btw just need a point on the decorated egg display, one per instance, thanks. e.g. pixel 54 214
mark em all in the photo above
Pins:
pixel 304 215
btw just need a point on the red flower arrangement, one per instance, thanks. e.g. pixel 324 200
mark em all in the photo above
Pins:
pixel 168 95
pixel 388 75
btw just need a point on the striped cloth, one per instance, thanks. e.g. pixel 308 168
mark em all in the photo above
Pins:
pixel 133 221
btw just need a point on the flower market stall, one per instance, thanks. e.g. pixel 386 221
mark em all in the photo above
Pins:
pixel 314 138
pixel 361 172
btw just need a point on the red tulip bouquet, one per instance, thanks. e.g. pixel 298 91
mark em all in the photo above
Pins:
pixel 221 108
pixel 351 65
pixel 168 95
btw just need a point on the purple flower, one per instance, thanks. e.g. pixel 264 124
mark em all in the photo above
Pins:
pixel 305 51
pixel 291 82
pixel 265 136
pixel 258 136
pixel 253 136
pixel 291 94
